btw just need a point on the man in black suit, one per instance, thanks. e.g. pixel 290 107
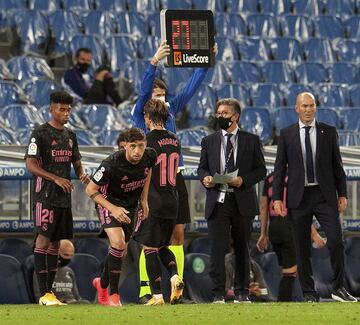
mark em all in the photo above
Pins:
pixel 231 207
pixel 316 186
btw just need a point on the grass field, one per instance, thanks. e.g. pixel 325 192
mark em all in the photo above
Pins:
pixel 270 313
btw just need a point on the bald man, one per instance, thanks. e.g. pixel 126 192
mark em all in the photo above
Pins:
pixel 316 186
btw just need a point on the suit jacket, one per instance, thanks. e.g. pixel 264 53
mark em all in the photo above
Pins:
pixel 249 162
pixel 328 165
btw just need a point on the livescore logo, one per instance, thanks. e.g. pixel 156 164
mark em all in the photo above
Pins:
pixel 184 58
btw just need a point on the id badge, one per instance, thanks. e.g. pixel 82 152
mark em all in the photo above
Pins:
pixel 221 197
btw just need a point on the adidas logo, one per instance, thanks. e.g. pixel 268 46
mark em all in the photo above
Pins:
pixel 54 143
pixel 125 178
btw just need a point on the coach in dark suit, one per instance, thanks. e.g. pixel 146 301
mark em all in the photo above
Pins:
pixel 230 208
pixel 316 186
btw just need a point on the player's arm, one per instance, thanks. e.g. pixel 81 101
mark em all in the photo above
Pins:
pixel 263 241
pixel 79 171
pixel 34 168
pixel 144 197
pixel 119 213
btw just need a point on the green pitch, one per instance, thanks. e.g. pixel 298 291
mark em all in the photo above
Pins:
pixel 270 313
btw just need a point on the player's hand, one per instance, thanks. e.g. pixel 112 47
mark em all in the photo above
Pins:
pixel 84 178
pixel 144 210
pixel 64 183
pixel 279 208
pixel 236 182
pixel 254 289
pixel 101 75
pixel 162 51
pixel 208 182
pixel 120 214
pixel 342 204
pixel 216 49
pixel 262 243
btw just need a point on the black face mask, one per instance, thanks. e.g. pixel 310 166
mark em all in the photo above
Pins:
pixel 225 123
pixel 83 67
pixel 63 261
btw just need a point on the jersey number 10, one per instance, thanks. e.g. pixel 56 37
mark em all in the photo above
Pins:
pixel 168 168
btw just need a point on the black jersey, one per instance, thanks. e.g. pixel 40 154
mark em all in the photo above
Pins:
pixel 163 195
pixel 121 181
pixel 55 151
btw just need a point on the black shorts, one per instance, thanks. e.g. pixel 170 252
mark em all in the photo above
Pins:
pixel 53 222
pixel 280 235
pixel 184 209
pixel 108 221
pixel 155 232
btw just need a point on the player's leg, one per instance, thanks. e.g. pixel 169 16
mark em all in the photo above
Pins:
pixel 145 291
pixel 41 245
pixel 177 247
pixel 52 257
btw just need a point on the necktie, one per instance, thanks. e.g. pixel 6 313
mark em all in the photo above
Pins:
pixel 229 155
pixel 309 156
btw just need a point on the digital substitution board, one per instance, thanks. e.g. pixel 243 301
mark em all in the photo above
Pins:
pixel 190 35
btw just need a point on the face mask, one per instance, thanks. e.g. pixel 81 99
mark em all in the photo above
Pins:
pixel 162 98
pixel 83 67
pixel 63 261
pixel 225 123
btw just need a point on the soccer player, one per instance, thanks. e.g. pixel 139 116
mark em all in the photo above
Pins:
pixel 155 233
pixel 51 151
pixel 119 183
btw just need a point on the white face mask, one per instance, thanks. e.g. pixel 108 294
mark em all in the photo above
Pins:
pixel 162 98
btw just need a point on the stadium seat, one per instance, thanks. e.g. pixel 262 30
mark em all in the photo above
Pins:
pixel 349 138
pixel 311 72
pixel 23 136
pixel 306 7
pixel 290 92
pixel 352 27
pixel 147 46
pixel 322 270
pixel 11 93
pixel 32 29
pixel 7 137
pixel 143 5
pixel 175 82
pixel 328 26
pixel 262 25
pixel 213 5
pixel 241 6
pixel 21 116
pixel 12 4
pixel 252 49
pixel 28 270
pixel 257 120
pixel 12 283
pixel 92 246
pixel 275 7
pixel 5 74
pixel 344 73
pixel 318 50
pixel 354 93
pixel 39 91
pixel 285 49
pixel 111 6
pixel 100 23
pixel 266 95
pixel 298 26
pixel 283 117
pixel 133 23
pixel 218 75
pixel 241 71
pixel 91 42
pixel 45 6
pixel 85 137
pixel 108 137
pixel 278 72
pixel 16 248
pixel 77 5
pixel 351 119
pixel 169 4
pixel 199 245
pixel 196 277
pixel 229 25
pixel 346 49
pixel 328 115
pixel 193 136
pixel 341 8
pixel 86 267
pixel 352 264
pixel 333 95
pixel 238 91
pixel 227 49
pixel 129 289
pixel 153 22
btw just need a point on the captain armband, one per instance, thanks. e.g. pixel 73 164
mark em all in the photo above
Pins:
pixel 94 195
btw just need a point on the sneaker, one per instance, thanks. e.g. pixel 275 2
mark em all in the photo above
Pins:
pixel 49 299
pixel 311 297
pixel 144 299
pixel 177 287
pixel 103 295
pixel 219 300
pixel 155 301
pixel 242 299
pixel 114 300
pixel 342 295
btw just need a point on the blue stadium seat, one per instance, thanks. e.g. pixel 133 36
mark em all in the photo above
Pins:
pixel 241 6
pixel 238 91
pixel 352 264
pixel 252 49
pixel 77 5
pixel 125 112
pixel 290 92
pixel 119 49
pixel 45 6
pixel 275 7
pixel 143 5
pixel 108 137
pixel 352 26
pixel 39 91
pixel 85 137
pixel 11 93
pixel 227 49
pixel 351 119
pixel 175 81
pixel 283 117
pixel 333 95
pixel 257 120
pixel 344 73
pixel 346 49
pixel 311 72
pixel 266 95
pixel 263 25
pixel 218 75
pixel 299 26
pixel 21 116
pixel 86 267
pixel 328 26
pixel 229 25
pixel 12 4
pixel 92 246
pixel 133 23
pixel 28 270
pixel 328 115
pixel 349 138
pixel 93 43
pixel 213 5
pixel 285 49
pixel 153 22
pixel 318 50
pixel 23 136
pixel 63 25
pixel 193 136
pixel 306 7
pixel 337 8
pixel 12 283
pixel 129 289
pixel 322 270
pixel 100 23
pixel 5 74
pixel 7 137
pixel 278 72
pixel 147 46
pixel 354 93
pixel 197 278
pixel 241 71
pixel 111 6
pixel 199 245
pixel 15 247
pixel 33 31
pixel 169 4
